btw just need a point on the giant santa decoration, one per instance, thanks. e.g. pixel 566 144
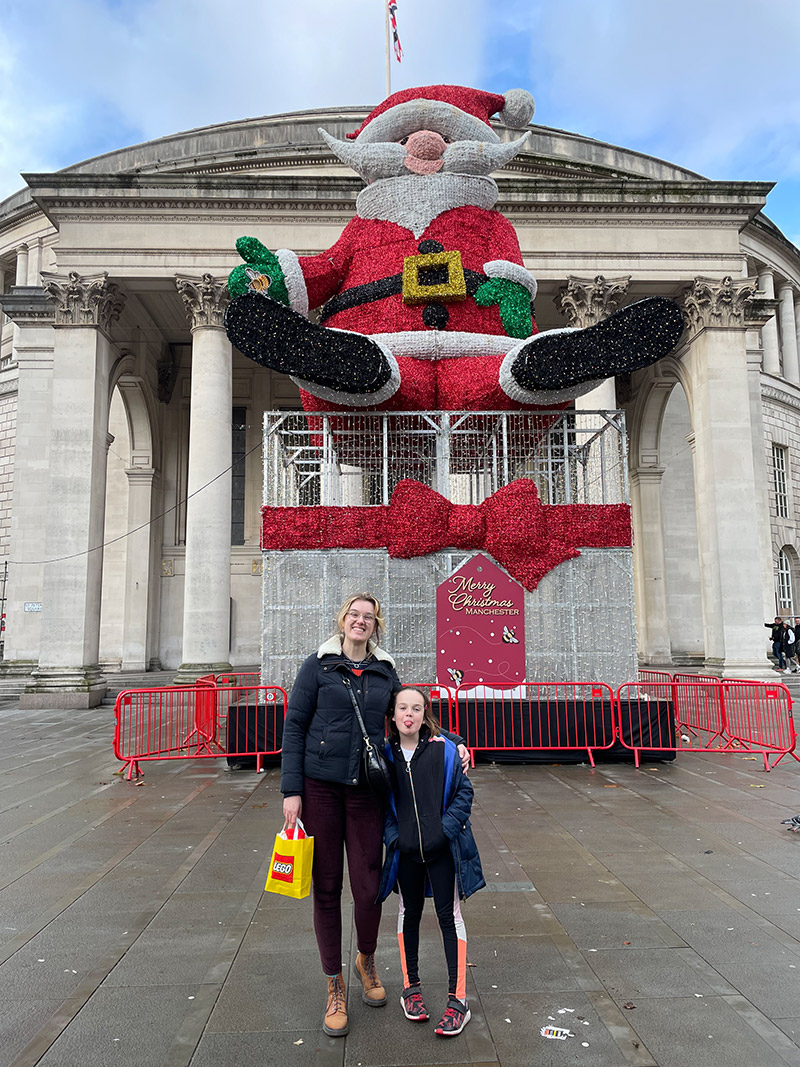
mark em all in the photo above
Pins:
pixel 425 301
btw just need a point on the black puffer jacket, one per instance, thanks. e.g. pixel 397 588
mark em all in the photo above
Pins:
pixel 321 735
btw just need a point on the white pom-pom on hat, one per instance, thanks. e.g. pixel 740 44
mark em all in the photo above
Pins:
pixel 518 109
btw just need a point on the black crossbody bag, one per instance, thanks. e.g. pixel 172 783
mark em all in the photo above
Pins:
pixel 375 766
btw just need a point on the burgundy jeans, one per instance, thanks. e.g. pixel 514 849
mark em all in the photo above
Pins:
pixel 344 817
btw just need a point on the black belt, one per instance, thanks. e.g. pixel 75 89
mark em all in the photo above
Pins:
pixel 371 291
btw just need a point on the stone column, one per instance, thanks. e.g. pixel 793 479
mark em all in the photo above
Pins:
pixel 725 481
pixel 583 302
pixel 769 331
pixel 650 571
pixel 32 312
pixel 207 583
pixel 68 674
pixel 791 368
pixel 22 266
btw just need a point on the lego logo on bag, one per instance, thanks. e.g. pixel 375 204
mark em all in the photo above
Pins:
pixel 283 868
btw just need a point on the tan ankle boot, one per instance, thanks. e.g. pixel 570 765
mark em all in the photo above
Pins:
pixel 373 993
pixel 335 1022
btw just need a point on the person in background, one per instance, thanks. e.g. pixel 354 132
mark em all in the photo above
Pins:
pixel 776 636
pixel 789 648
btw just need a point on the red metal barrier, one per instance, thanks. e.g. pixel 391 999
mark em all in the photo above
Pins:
pixel 661 677
pixel 758 717
pixel 537 717
pixel 706 716
pixel 195 722
pixel 239 678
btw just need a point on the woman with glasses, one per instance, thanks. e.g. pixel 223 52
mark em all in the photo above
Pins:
pixel 323 782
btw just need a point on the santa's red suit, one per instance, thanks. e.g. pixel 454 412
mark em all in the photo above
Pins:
pixel 362 275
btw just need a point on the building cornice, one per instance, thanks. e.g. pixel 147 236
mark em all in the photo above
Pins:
pixel 73 195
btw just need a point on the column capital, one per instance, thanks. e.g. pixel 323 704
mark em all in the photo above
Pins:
pixel 723 303
pixel 585 301
pixel 204 299
pixel 84 300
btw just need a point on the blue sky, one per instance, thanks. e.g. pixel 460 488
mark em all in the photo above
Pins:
pixel 712 85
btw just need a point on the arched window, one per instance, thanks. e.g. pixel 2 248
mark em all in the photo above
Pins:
pixel 785 598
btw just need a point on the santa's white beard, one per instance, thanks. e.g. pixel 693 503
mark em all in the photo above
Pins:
pixel 415 200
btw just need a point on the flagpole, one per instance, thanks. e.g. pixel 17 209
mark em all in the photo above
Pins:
pixel 388 49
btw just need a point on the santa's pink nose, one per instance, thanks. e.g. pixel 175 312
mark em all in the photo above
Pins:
pixel 425 144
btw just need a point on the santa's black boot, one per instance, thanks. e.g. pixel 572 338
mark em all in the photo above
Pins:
pixel 631 338
pixel 274 336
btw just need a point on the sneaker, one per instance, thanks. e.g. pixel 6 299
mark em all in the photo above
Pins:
pixel 454 1019
pixel 786 671
pixel 413 1004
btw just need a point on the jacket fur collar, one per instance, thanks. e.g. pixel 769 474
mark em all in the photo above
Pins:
pixel 333 647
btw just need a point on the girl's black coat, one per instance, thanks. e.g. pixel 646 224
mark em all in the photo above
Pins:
pixel 321 735
pixel 443 803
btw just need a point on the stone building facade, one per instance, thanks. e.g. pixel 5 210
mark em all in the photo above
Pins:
pixel 122 402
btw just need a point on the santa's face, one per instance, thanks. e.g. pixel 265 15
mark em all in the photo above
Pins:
pixel 424 151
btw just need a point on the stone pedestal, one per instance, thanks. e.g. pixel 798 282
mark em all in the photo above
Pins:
pixel 207 587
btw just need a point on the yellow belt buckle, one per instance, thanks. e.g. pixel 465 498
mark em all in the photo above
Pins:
pixel 424 278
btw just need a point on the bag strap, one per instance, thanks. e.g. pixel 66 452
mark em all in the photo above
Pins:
pixel 356 709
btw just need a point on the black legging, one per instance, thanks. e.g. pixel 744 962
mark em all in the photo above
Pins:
pixel 411 877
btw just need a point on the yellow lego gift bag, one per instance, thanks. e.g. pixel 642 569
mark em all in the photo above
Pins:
pixel 290 866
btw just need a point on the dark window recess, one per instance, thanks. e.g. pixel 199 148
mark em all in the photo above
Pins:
pixel 238 441
pixel 437 275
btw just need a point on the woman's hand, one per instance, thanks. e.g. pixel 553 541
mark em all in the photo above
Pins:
pixel 463 753
pixel 292 810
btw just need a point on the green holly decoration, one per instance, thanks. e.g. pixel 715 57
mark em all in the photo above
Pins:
pixel 514 301
pixel 257 258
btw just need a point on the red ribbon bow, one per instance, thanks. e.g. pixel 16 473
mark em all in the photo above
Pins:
pixel 523 535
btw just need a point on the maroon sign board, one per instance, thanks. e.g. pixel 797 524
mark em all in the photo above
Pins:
pixel 480 627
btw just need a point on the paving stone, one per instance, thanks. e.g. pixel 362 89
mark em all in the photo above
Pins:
pixel 114 1029
pixel 20 1021
pixel 518 964
pixel 602 925
pixel 633 973
pixel 684 1031
pixel 258 1050
pixel 515 1022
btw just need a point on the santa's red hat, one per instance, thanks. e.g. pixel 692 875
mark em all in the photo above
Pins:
pixel 452 110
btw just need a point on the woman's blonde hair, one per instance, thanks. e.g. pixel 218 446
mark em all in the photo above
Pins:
pixel 380 625
pixel 428 717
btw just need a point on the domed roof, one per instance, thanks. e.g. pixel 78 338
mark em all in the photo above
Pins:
pixel 291 143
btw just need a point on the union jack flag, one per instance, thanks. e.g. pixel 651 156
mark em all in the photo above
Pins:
pixel 398 48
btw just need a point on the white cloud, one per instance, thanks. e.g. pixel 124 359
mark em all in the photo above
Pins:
pixel 713 82
pixel 87 69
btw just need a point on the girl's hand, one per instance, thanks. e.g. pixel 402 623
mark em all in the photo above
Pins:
pixel 292 810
